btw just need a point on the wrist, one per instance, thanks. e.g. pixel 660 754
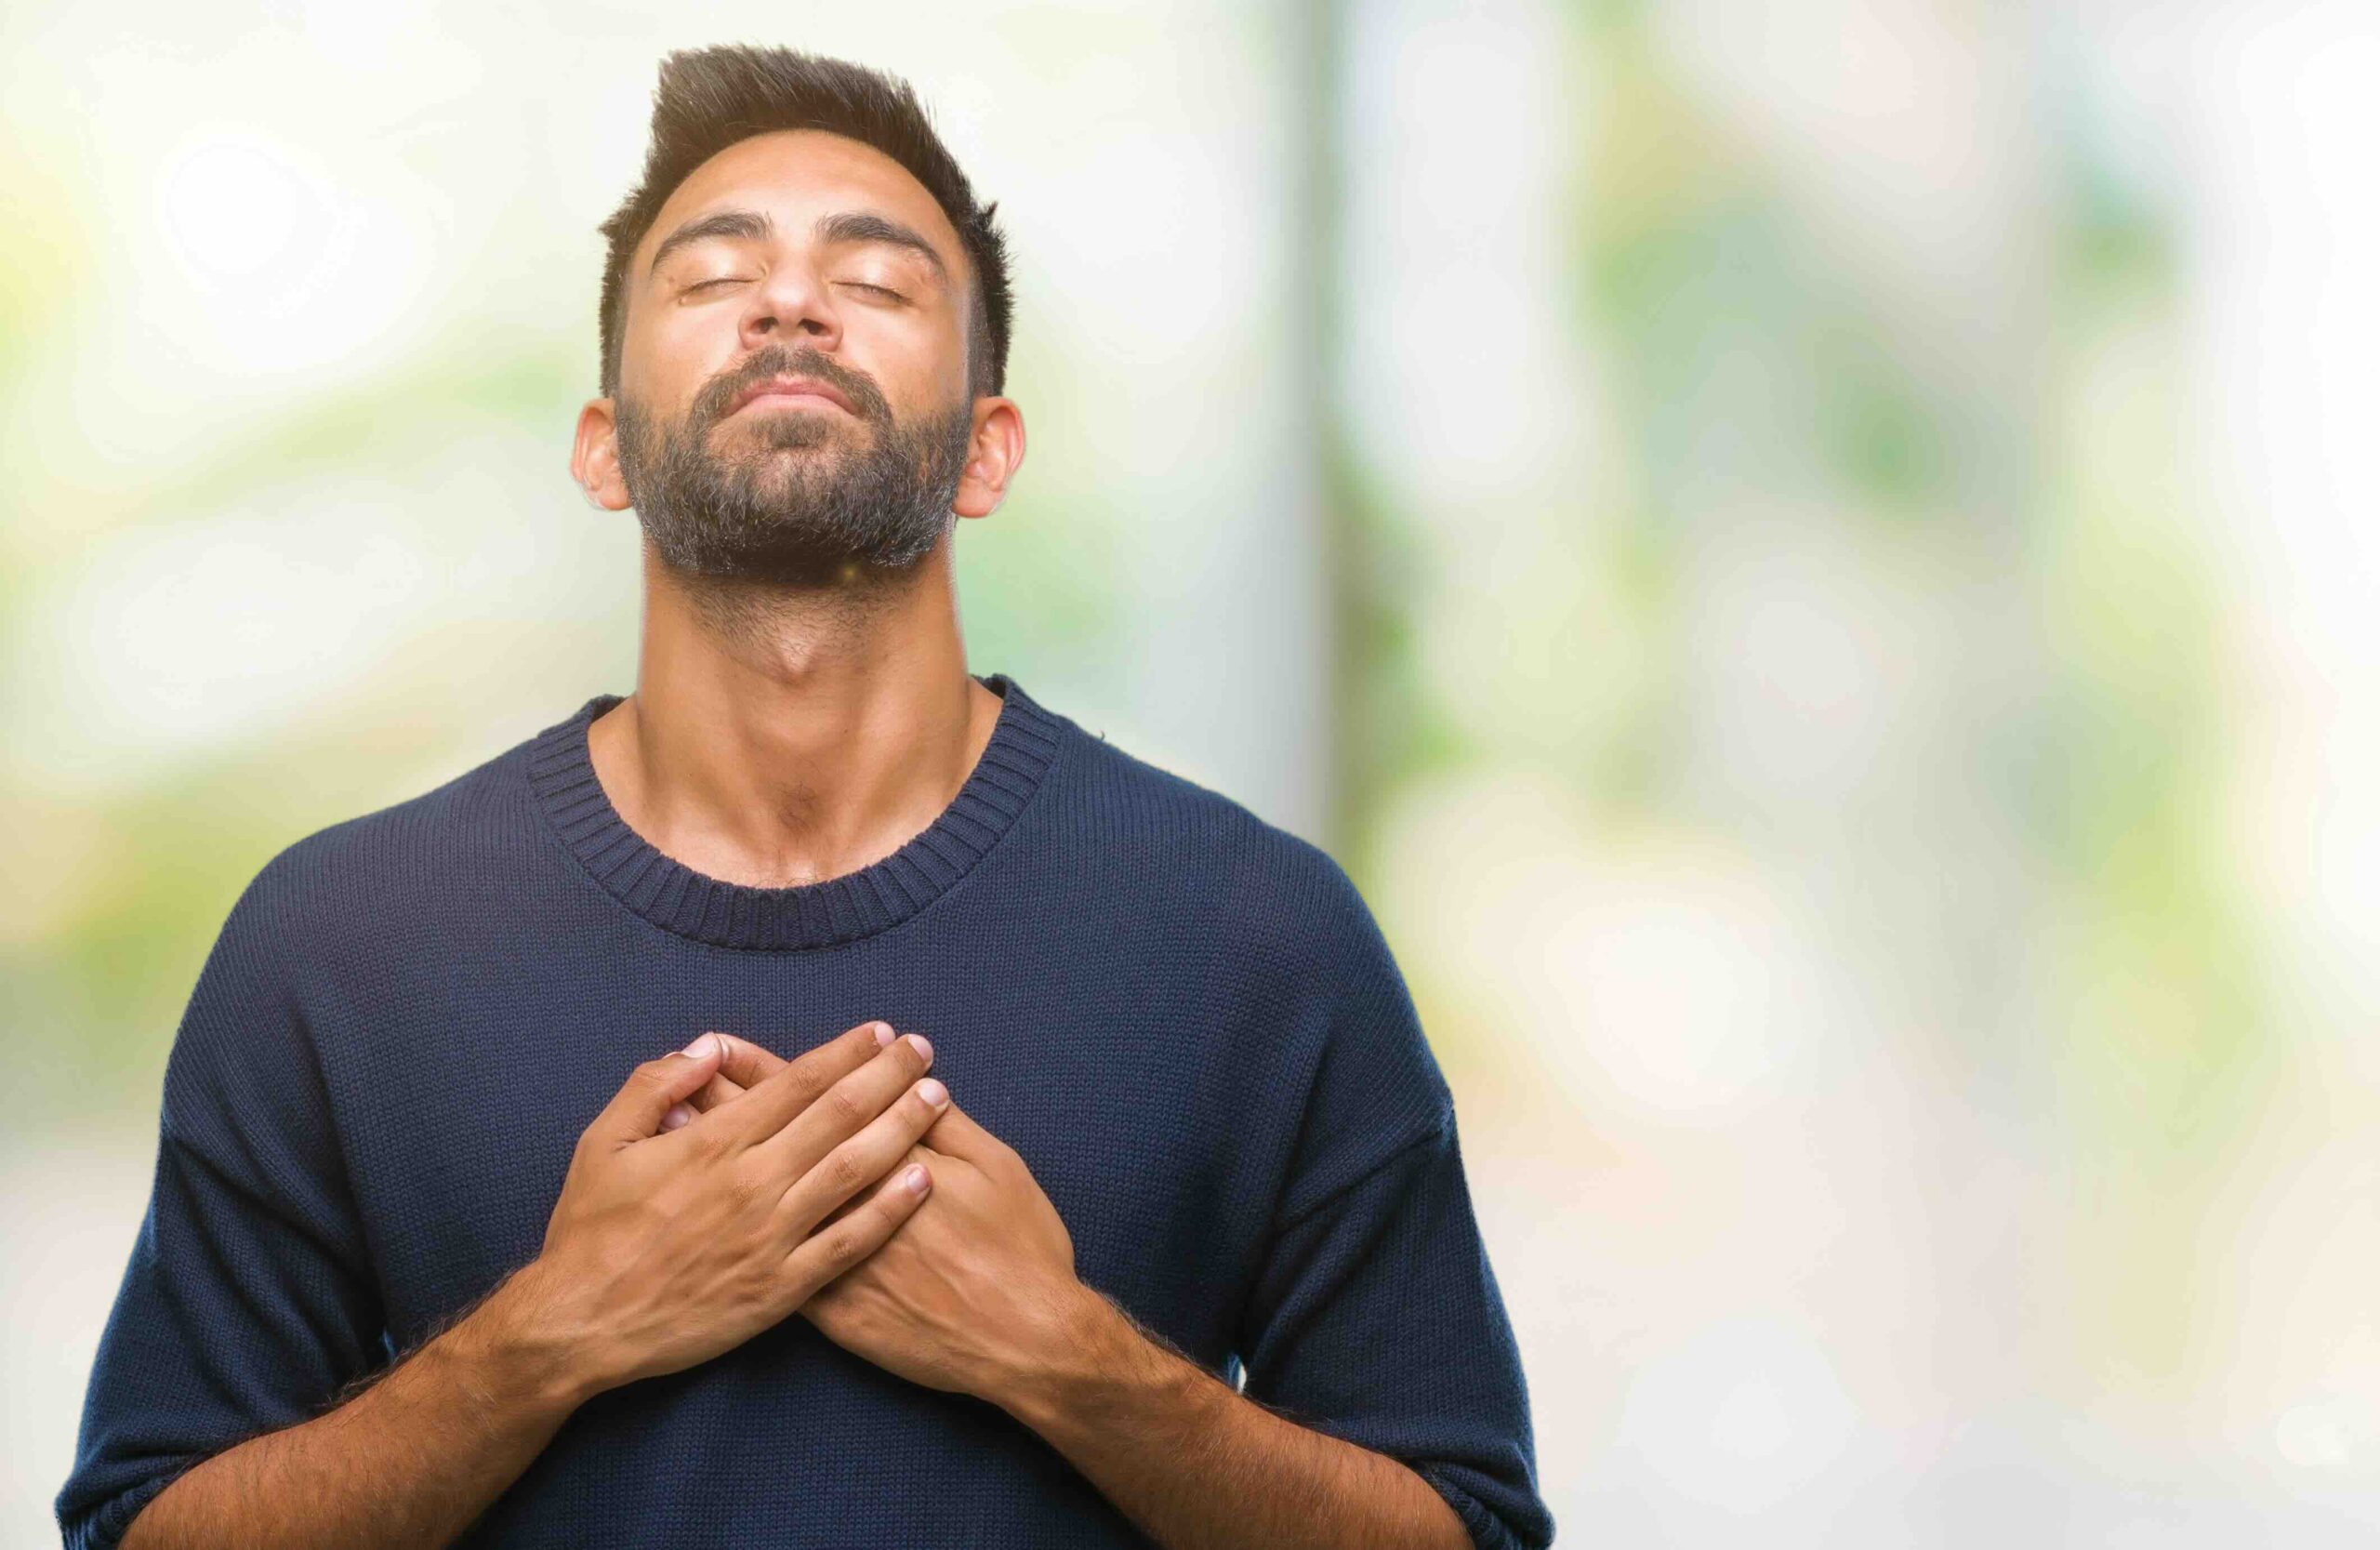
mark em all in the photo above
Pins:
pixel 1091 1351
pixel 531 1352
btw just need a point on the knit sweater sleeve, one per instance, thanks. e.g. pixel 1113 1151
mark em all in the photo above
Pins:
pixel 248 1301
pixel 1375 1316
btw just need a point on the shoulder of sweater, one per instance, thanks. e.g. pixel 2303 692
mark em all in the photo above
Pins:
pixel 1143 802
pixel 1262 882
pixel 358 867
pixel 1302 941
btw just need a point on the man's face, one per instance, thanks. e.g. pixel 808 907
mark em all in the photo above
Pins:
pixel 805 256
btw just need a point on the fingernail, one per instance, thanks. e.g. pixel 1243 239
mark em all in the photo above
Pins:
pixel 883 1035
pixel 914 1179
pixel 918 1043
pixel 934 1092
pixel 699 1048
pixel 679 1113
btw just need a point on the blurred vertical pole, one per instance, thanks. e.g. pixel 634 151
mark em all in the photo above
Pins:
pixel 1352 740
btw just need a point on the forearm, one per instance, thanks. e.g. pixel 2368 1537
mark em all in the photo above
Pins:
pixel 1197 1465
pixel 405 1464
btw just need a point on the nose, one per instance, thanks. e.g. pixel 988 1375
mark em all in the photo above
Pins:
pixel 792 307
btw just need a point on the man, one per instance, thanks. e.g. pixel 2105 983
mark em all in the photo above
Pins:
pixel 418 1268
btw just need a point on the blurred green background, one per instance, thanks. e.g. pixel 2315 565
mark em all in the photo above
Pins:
pixel 1815 563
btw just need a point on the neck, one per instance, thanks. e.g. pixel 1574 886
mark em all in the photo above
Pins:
pixel 783 736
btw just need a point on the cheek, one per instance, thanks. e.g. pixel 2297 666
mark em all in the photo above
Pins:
pixel 918 362
pixel 678 355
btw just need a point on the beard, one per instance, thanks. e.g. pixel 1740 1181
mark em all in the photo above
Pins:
pixel 800 497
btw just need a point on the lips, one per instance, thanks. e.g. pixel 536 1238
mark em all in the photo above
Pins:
pixel 792 390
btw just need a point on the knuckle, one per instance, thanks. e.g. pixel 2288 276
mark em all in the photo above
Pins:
pixel 846 1108
pixel 844 1173
pixel 841 1245
pixel 813 1070
pixel 803 1077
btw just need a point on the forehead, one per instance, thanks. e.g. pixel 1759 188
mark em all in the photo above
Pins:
pixel 797 176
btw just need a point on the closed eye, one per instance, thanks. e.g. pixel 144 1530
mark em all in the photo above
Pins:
pixel 856 284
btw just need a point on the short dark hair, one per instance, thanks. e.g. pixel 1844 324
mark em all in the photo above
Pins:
pixel 710 98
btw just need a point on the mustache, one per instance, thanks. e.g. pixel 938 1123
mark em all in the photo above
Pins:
pixel 778 361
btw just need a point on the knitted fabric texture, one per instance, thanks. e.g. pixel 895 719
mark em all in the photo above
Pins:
pixel 1184 1019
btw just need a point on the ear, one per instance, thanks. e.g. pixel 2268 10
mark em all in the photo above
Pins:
pixel 992 457
pixel 595 457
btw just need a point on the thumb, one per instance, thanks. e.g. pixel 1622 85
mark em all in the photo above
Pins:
pixel 744 1063
pixel 635 1113
pixel 956 1133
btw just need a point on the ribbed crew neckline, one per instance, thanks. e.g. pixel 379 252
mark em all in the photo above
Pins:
pixel 879 895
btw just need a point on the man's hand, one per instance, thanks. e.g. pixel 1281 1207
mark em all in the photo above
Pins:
pixel 977 1288
pixel 976 1292
pixel 667 1247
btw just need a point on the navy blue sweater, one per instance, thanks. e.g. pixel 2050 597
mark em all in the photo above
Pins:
pixel 1184 1019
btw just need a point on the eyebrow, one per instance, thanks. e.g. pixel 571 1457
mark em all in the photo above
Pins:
pixel 868 226
pixel 755 225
